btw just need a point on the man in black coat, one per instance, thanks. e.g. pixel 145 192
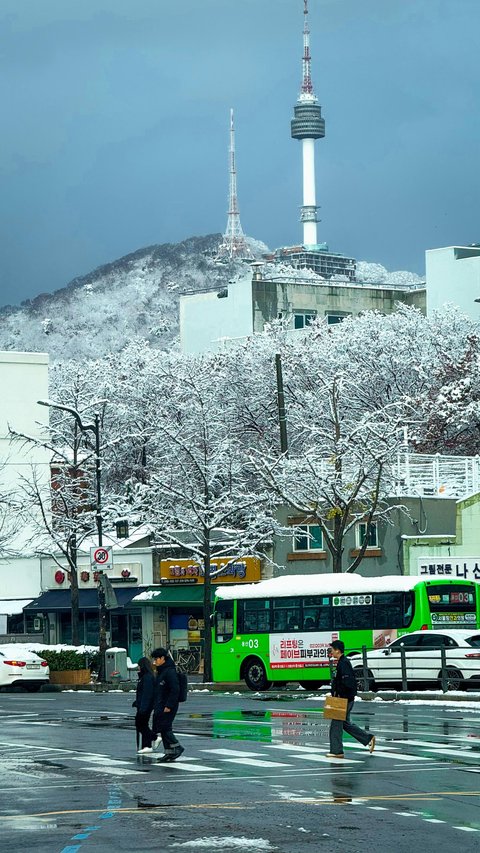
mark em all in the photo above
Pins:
pixel 165 705
pixel 345 685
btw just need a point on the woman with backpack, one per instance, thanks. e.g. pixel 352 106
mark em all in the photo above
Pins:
pixel 144 704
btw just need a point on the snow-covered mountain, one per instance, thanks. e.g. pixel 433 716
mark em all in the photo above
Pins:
pixel 136 296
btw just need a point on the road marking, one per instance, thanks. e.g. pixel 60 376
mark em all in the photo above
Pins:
pixel 399 756
pixel 113 771
pixel 254 762
pixel 235 752
pixel 323 758
pixel 186 765
pixel 100 759
pixel 466 828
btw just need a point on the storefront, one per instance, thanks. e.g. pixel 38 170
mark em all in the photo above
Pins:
pixel 53 617
pixel 172 610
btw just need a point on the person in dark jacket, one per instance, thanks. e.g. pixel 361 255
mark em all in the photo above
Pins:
pixel 165 705
pixel 345 685
pixel 144 703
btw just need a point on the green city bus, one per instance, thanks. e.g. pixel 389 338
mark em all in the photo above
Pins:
pixel 279 630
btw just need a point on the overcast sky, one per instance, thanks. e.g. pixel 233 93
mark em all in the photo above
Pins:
pixel 115 121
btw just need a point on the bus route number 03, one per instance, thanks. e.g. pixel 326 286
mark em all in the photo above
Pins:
pixel 250 644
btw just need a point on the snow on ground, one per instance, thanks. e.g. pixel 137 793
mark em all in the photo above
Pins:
pixel 226 843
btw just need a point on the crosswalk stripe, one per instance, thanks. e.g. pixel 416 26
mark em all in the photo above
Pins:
pixel 255 762
pixel 234 752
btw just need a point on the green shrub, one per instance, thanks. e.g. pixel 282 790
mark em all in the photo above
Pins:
pixel 59 661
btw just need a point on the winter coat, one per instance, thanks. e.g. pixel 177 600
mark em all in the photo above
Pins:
pixel 145 693
pixel 166 687
pixel 344 683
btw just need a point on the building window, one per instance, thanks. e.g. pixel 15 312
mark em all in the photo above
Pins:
pixel 370 532
pixel 301 319
pixel 308 538
pixel 335 317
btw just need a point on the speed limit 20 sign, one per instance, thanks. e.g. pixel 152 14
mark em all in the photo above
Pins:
pixel 101 558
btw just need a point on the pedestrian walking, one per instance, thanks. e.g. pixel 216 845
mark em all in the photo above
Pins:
pixel 144 704
pixel 167 694
pixel 345 685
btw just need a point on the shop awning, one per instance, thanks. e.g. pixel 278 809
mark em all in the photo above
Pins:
pixel 171 596
pixel 13 606
pixel 57 600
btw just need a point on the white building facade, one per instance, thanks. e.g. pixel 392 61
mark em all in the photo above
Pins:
pixel 453 275
pixel 23 381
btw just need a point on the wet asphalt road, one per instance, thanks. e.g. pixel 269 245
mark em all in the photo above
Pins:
pixel 254 777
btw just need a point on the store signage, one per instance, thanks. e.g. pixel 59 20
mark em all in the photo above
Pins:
pixel 466 568
pixel 224 570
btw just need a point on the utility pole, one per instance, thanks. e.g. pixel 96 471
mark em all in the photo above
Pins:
pixel 282 415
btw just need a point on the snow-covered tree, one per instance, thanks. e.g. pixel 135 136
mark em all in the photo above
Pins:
pixel 199 492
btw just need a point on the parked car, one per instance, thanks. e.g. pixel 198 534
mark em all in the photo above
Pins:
pixel 18 666
pixel 423 660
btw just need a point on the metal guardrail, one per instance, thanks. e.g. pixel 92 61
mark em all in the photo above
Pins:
pixel 443 670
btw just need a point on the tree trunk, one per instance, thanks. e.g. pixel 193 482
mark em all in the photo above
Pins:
pixel 337 551
pixel 74 592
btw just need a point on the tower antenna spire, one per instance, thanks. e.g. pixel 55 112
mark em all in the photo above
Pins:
pixel 234 243
pixel 307 86
pixel 308 125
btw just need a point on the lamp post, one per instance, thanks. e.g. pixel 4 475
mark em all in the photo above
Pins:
pixel 95 429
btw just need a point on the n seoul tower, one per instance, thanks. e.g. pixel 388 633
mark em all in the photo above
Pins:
pixel 308 125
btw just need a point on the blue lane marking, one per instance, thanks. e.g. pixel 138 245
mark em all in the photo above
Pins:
pixel 114 802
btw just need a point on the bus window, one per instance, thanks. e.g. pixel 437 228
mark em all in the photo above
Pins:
pixel 408 608
pixel 253 616
pixel 317 613
pixel 388 610
pixel 286 614
pixel 223 621
pixel 352 616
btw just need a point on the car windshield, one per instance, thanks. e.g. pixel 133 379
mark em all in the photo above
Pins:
pixel 474 641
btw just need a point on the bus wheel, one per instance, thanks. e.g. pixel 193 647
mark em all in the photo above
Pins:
pixel 255 675
pixel 312 685
pixel 358 672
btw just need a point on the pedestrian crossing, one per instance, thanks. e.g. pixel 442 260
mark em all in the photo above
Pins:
pixel 267 758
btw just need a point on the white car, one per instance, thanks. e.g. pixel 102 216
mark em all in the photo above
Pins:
pixel 423 660
pixel 21 667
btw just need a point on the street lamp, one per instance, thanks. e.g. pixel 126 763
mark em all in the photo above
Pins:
pixel 95 429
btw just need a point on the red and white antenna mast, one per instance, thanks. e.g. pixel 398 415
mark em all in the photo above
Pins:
pixel 234 244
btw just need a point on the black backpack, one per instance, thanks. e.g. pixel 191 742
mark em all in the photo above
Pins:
pixel 183 685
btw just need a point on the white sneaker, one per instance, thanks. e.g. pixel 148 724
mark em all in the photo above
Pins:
pixel 157 742
pixel 144 750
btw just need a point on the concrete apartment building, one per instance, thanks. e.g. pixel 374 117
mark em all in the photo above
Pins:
pixel 246 306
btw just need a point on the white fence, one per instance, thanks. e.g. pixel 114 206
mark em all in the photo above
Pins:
pixel 435 475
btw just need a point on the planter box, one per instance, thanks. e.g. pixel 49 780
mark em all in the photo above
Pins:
pixel 70 676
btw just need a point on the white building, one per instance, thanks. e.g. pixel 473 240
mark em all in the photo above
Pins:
pixel 453 275
pixel 23 381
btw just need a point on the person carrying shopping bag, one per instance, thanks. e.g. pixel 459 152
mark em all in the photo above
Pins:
pixel 344 685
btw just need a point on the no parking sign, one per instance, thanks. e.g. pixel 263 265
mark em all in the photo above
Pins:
pixel 101 558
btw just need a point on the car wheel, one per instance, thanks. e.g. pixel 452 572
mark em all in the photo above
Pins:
pixel 312 685
pixel 358 671
pixel 455 680
pixel 255 675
